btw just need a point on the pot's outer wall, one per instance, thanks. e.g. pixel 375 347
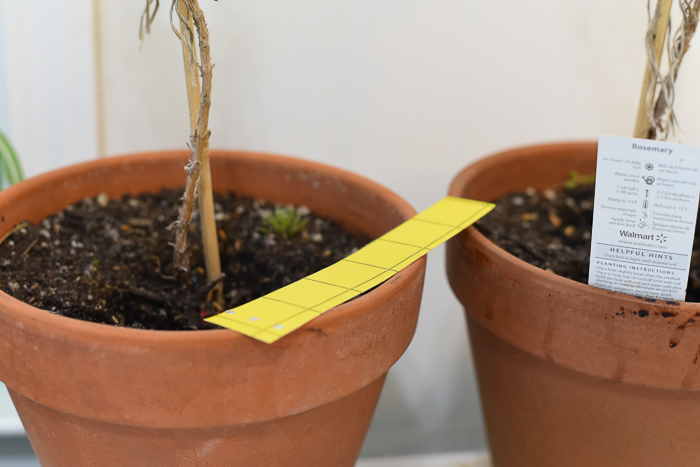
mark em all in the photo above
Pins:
pixel 329 435
pixel 570 374
pixel 539 414
pixel 217 378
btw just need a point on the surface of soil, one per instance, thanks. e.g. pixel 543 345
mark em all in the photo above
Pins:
pixel 109 261
pixel 552 230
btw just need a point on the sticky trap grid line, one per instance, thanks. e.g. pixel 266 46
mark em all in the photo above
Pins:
pixel 281 312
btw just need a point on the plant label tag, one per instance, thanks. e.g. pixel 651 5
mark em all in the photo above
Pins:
pixel 646 203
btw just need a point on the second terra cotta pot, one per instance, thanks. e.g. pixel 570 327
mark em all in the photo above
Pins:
pixel 95 395
pixel 571 375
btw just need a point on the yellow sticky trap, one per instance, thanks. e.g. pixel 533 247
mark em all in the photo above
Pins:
pixel 277 314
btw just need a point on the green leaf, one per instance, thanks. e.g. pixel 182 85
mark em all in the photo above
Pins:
pixel 576 179
pixel 9 161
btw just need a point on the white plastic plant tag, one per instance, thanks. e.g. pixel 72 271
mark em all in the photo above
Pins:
pixel 646 203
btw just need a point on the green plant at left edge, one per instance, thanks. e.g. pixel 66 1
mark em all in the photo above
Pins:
pixel 10 170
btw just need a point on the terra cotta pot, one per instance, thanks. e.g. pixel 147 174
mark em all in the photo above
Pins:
pixel 571 375
pixel 95 395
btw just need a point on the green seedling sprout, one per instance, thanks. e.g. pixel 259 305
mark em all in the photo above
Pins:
pixel 9 163
pixel 577 180
pixel 286 221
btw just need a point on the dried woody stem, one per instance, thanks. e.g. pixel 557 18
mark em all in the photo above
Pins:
pixel 147 17
pixel 657 98
pixel 655 37
pixel 199 140
pixel 676 51
pixel 206 196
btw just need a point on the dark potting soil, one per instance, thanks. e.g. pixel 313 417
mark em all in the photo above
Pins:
pixel 552 230
pixel 110 261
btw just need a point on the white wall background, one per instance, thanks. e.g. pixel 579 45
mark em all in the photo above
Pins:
pixel 406 92
pixel 49 94
pixel 4 115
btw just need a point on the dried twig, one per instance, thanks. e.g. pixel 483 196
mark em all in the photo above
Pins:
pixel 655 38
pixel 186 35
pixel 147 17
pixel 159 271
pixel 655 117
pixel 14 229
pixel 199 140
pixel 212 286
pixel 676 51
pixel 29 248
pixel 206 195
pixel 147 294
pixel 188 12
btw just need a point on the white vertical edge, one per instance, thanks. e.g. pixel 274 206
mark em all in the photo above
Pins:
pixel 50 81
pixel 4 115
pixel 9 421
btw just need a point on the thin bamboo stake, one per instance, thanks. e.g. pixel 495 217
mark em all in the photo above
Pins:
pixel 199 138
pixel 206 196
pixel 658 28
pixel 99 78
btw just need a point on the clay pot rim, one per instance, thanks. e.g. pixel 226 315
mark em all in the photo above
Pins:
pixel 471 172
pixel 56 325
